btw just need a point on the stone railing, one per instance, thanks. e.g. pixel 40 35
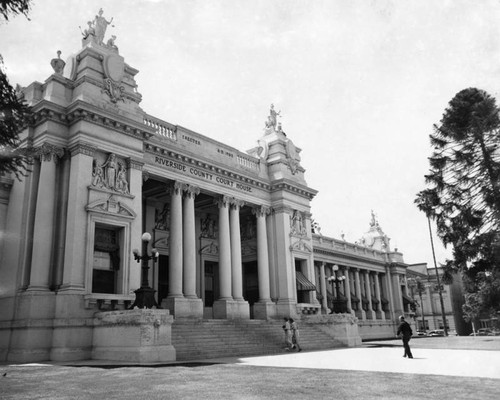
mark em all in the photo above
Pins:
pixel 163 129
pixel 248 162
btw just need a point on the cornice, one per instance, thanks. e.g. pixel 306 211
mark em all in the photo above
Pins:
pixel 80 111
pixel 292 187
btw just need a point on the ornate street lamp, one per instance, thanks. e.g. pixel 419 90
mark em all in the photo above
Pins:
pixel 145 296
pixel 338 304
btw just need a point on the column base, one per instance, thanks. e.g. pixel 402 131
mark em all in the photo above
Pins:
pixel 183 307
pixel 226 309
pixel 264 310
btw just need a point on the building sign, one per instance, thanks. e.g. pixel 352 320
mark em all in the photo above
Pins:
pixel 188 170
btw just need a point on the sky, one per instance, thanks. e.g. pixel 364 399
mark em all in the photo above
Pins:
pixel 359 84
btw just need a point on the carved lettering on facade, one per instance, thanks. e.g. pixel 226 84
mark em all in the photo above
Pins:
pixel 202 174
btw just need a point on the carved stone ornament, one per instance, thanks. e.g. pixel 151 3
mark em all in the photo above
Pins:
pixel 111 175
pixel 46 151
pixel 58 64
pixel 162 218
pixel 113 90
pixel 297 224
pixel 301 246
pixel 272 120
pixel 210 249
pixel 291 157
pixel 111 206
pixel 208 227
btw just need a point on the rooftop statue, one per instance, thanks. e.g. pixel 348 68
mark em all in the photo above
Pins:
pixel 101 24
pixel 88 34
pixel 58 64
pixel 272 120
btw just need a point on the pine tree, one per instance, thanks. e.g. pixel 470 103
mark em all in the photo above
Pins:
pixel 463 194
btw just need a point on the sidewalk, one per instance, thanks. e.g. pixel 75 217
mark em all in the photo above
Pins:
pixel 467 363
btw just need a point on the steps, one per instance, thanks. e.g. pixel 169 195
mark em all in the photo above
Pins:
pixel 204 339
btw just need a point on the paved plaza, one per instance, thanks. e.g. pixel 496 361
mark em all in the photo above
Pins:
pixel 447 368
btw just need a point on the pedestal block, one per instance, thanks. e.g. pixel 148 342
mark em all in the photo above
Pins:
pixel 141 335
pixel 225 309
pixel 264 310
pixel 183 307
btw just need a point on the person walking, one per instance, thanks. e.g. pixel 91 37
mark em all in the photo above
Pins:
pixel 405 333
pixel 288 334
pixel 295 334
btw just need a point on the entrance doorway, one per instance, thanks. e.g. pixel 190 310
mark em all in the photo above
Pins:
pixel 250 284
pixel 162 278
pixel 211 287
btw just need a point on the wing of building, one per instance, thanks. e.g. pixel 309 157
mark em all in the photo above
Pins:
pixel 231 236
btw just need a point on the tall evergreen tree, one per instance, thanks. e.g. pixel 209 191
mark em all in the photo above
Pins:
pixel 463 193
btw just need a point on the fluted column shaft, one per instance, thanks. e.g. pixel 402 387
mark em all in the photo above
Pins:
pixel 348 289
pixel 262 254
pixel 43 231
pixel 189 242
pixel 359 294
pixel 176 254
pixel 378 294
pixel 236 265
pixel 368 293
pixel 322 279
pixel 224 249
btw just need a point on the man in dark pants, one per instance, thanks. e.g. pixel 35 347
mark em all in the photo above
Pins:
pixel 405 332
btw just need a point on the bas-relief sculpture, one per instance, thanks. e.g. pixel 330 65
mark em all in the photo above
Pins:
pixel 162 218
pixel 297 224
pixel 110 175
pixel 208 227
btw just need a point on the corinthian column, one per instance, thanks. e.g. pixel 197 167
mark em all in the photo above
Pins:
pixel 176 255
pixel 360 295
pixel 369 313
pixel 43 231
pixel 322 281
pixel 225 306
pixel 378 294
pixel 236 266
pixel 265 307
pixel 189 238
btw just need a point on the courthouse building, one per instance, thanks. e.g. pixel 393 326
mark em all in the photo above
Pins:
pixel 231 230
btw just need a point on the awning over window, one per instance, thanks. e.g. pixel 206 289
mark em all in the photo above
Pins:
pixel 303 283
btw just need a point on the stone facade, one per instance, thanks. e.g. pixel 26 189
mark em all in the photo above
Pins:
pixel 231 230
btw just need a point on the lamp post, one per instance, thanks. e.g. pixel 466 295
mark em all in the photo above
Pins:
pixel 338 304
pixel 145 296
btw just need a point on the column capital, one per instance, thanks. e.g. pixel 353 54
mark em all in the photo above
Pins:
pixel 190 191
pixel 134 164
pixel 261 211
pixel 222 201
pixel 82 148
pixel 175 188
pixel 46 151
pixel 236 203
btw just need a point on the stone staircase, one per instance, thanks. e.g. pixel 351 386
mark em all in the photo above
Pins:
pixel 204 339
